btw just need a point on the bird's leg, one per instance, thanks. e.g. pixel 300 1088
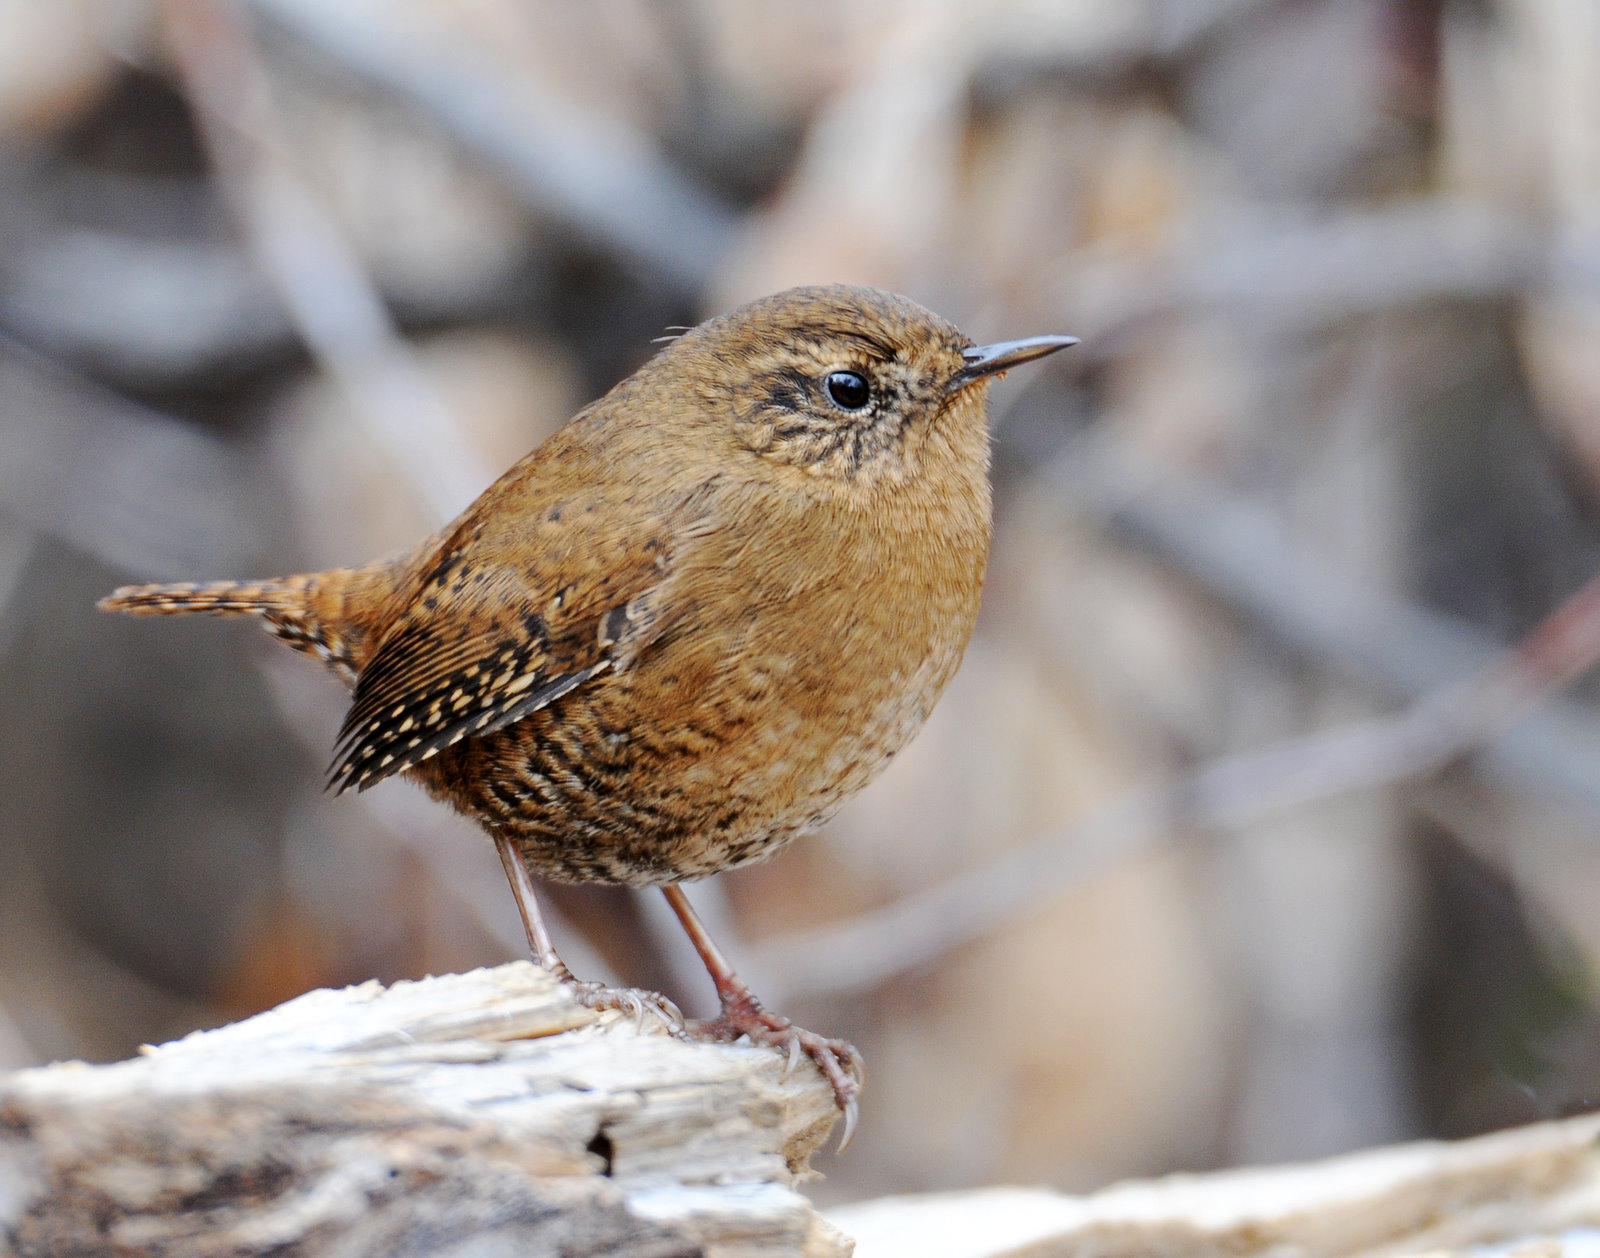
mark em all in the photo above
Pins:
pixel 593 995
pixel 743 1015
pixel 544 949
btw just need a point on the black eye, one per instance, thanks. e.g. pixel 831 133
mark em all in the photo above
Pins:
pixel 848 389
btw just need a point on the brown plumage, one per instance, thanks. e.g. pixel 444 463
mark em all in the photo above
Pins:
pixel 689 625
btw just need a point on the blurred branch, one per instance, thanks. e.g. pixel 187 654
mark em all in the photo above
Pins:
pixel 324 287
pixel 164 313
pixel 1525 1192
pixel 599 176
pixel 1240 554
pixel 135 488
pixel 150 311
pixel 1177 26
pixel 1294 271
pixel 1227 793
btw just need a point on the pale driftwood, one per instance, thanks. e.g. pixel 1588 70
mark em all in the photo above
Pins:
pixel 487 1114
pixel 479 1114
pixel 1532 1191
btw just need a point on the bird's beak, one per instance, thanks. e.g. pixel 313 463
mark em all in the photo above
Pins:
pixel 989 360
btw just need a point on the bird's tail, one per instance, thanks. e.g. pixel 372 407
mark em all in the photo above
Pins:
pixel 306 611
pixel 220 598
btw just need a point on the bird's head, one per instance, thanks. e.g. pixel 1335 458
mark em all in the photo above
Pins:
pixel 844 381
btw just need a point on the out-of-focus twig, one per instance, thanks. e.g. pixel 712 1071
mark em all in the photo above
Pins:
pixel 139 490
pixel 319 277
pixel 1240 554
pixel 1269 268
pixel 1229 792
pixel 162 313
pixel 599 177
pixel 152 312
pixel 1176 29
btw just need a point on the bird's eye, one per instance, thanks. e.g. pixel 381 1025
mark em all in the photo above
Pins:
pixel 848 389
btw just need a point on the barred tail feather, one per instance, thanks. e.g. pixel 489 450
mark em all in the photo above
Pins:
pixel 295 609
pixel 221 598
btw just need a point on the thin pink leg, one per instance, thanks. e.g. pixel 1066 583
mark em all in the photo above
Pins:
pixel 742 1015
pixel 544 950
pixel 594 995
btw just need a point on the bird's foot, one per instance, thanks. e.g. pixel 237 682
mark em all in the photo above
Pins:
pixel 636 1002
pixel 743 1017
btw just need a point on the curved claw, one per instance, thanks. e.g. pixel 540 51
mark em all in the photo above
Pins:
pixel 841 1065
pixel 852 1111
pixel 629 1000
pixel 838 1061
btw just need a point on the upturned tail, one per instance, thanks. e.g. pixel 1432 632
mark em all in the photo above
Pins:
pixel 309 612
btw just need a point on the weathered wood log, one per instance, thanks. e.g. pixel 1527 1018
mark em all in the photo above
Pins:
pixel 488 1114
pixel 475 1114
pixel 1531 1191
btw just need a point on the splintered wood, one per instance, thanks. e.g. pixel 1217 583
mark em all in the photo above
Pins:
pixel 488 1114
pixel 485 1112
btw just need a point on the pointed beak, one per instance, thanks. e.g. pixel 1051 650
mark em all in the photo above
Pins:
pixel 988 360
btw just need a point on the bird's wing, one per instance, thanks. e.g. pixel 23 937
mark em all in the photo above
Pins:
pixel 484 643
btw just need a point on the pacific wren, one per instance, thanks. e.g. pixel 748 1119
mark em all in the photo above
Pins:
pixel 689 625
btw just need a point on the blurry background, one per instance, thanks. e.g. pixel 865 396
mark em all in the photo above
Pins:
pixel 283 282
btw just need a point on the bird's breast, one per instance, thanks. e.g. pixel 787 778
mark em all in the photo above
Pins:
pixel 824 654
pixel 792 656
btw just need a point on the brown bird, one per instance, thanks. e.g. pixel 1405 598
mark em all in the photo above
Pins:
pixel 689 625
